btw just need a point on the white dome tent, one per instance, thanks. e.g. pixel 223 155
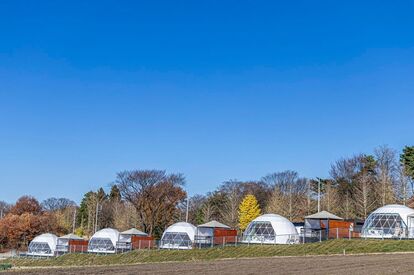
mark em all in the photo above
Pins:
pixel 43 245
pixel 271 229
pixel 104 241
pixel 178 236
pixel 389 221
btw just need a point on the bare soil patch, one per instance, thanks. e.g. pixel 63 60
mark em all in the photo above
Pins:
pixel 352 264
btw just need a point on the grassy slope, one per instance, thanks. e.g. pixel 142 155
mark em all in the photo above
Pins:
pixel 150 256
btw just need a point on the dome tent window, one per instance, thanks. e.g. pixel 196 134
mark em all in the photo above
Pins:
pixel 101 244
pixel 104 241
pixel 180 235
pixel 387 224
pixel 260 230
pixel 43 245
pixel 180 239
pixel 39 248
pixel 389 221
pixel 271 229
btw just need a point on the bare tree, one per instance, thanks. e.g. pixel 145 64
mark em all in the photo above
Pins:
pixel 154 194
pixel 402 187
pixel 230 211
pixel 328 193
pixel 54 204
pixel 289 193
pixel 343 173
pixel 364 180
pixel 387 173
pixel 4 208
pixel 208 209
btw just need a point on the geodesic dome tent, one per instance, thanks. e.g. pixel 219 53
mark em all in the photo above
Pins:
pixel 43 245
pixel 104 241
pixel 389 221
pixel 271 229
pixel 178 236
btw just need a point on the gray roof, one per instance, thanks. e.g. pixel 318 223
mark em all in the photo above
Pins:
pixel 134 231
pixel 71 237
pixel 214 224
pixel 323 215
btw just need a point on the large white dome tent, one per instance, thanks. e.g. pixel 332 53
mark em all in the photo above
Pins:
pixel 271 229
pixel 43 245
pixel 389 221
pixel 104 241
pixel 180 235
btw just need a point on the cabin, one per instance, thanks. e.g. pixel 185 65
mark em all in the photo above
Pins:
pixel 71 243
pixel 134 239
pixel 215 233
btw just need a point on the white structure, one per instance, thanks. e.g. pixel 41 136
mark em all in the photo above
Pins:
pixel 125 238
pixel 178 236
pixel 389 221
pixel 43 245
pixel 63 242
pixel 205 232
pixel 104 241
pixel 127 235
pixel 271 229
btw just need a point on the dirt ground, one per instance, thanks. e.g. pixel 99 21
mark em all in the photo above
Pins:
pixel 362 264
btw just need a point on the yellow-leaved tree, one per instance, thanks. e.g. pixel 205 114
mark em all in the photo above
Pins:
pixel 249 210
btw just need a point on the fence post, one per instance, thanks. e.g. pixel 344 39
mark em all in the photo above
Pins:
pixel 320 235
pixel 304 236
pixel 337 233
pixel 349 233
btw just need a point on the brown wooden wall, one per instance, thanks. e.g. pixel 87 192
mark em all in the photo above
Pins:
pixel 222 235
pixel 78 246
pixel 141 242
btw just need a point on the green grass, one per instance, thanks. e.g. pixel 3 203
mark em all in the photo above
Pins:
pixel 5 266
pixel 153 256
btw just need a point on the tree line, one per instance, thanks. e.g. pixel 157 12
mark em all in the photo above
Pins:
pixel 151 200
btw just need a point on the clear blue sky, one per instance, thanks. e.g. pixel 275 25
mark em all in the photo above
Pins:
pixel 216 90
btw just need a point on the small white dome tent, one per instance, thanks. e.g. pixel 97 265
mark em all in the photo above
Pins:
pixel 43 245
pixel 178 236
pixel 104 241
pixel 389 221
pixel 271 229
